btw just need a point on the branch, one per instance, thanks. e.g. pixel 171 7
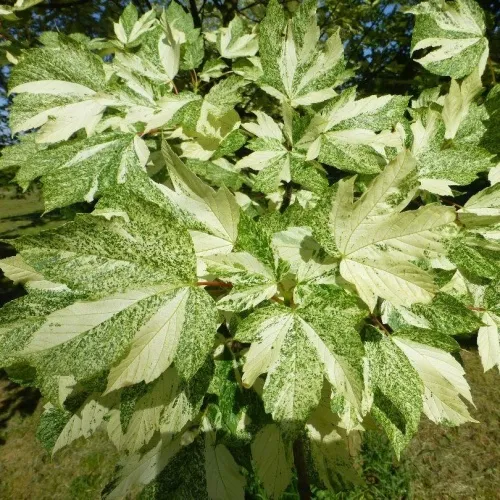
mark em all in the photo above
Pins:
pixel 287 197
pixel 250 6
pixel 492 71
pixel 60 5
pixel 372 26
pixel 299 460
pixel 194 12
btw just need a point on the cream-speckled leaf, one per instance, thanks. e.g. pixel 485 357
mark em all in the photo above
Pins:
pixel 224 478
pixel 123 276
pixel 377 275
pixel 265 127
pixel 244 297
pixel 457 102
pixel 273 460
pixel 80 170
pixel 18 271
pixel 437 157
pixel 296 67
pixel 234 41
pixel 253 281
pixel 86 421
pixel 182 25
pixel 397 390
pixel 294 372
pixel 60 89
pixel 145 420
pixel 186 322
pixel 337 343
pixel 141 470
pixel 296 351
pixel 296 246
pixel 8 11
pixel 379 244
pixel 166 109
pixel 455 33
pixel 103 257
pixel 443 381
pixel 185 401
pixel 218 211
pixel 81 317
pixel 494 175
pixel 130 29
pixel 482 209
pixel 329 449
pixel 352 134
pixel 158 57
pixel 488 341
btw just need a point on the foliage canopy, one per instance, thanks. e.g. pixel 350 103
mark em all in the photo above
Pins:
pixel 266 264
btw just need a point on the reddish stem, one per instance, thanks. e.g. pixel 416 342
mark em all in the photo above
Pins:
pixel 480 309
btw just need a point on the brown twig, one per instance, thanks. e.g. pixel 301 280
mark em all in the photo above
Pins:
pixel 60 5
pixel 452 203
pixel 214 283
pixel 299 460
pixel 479 309
pixel 492 71
pixel 278 300
pixel 379 324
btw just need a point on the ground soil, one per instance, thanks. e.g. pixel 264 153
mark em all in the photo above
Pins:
pixel 442 463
